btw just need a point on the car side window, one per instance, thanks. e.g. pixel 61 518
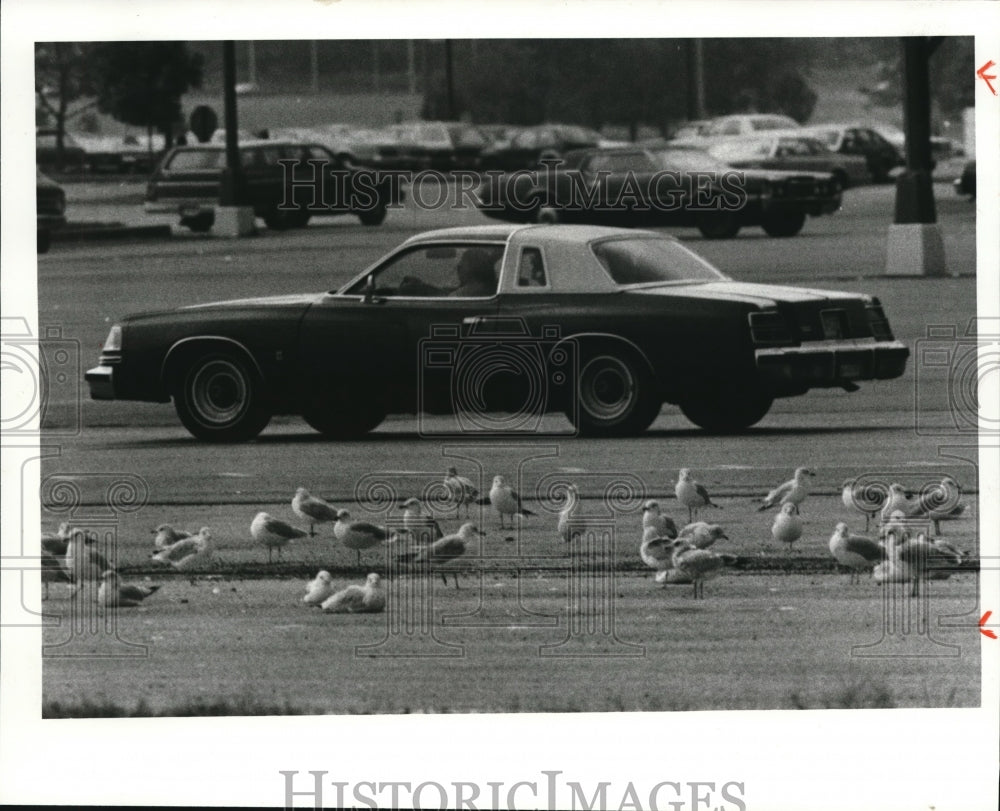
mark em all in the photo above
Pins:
pixel 731 128
pixel 435 271
pixel 531 269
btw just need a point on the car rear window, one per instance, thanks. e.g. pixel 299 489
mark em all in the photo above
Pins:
pixel 645 260
pixel 197 159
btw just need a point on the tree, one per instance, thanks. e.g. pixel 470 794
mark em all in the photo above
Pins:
pixel 63 76
pixel 141 83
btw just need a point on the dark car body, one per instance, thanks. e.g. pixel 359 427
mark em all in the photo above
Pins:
pixel 50 207
pixel 965 184
pixel 74 156
pixel 659 185
pixel 849 139
pixel 791 151
pixel 603 324
pixel 438 145
pixel 285 182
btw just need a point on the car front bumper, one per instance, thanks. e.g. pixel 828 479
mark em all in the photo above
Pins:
pixel 832 363
pixel 101 380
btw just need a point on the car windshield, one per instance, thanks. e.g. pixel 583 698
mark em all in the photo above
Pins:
pixel 650 260
pixel 773 122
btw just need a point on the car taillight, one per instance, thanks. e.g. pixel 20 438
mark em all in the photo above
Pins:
pixel 768 328
pixel 113 343
pixel 878 323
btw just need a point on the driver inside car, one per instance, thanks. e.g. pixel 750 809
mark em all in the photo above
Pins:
pixel 476 276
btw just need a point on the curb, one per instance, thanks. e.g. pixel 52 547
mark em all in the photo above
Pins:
pixel 87 232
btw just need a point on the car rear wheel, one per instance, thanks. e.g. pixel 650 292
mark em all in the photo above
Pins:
pixel 341 421
pixel 200 223
pixel 727 409
pixel 721 225
pixel 616 395
pixel 786 224
pixel 373 216
pixel 219 398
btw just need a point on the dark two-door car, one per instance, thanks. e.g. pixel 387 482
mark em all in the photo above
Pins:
pixel 608 325
pixel 659 184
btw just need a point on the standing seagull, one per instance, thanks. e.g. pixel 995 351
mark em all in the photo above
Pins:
pixel 941 502
pixel 702 535
pixel 899 501
pixel 274 534
pixel 358 535
pixel 794 491
pixel 366 599
pixel 916 556
pixel 445 550
pixel 423 529
pixel 787 526
pixel 506 501
pixel 652 517
pixel 692 494
pixel 857 552
pixel 167 535
pixel 319 590
pixel 84 563
pixel 657 553
pixel 698 564
pixel 856 496
pixel 461 490
pixel 571 525
pixel 312 509
pixel 115 594
pixel 187 553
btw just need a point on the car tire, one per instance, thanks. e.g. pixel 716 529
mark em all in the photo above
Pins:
pixel 336 422
pixel 219 398
pixel 726 409
pixel 722 225
pixel 44 241
pixel 200 224
pixel 616 395
pixel 373 216
pixel 787 224
pixel 547 215
pixel 279 219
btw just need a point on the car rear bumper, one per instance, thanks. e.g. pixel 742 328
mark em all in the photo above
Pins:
pixel 832 363
pixel 101 380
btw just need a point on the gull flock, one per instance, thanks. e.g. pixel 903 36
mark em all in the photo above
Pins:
pixel 905 550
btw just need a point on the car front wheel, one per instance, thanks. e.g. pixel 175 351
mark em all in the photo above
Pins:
pixel 723 225
pixel 616 396
pixel 219 398
pixel 372 216
pixel 727 409
pixel 784 225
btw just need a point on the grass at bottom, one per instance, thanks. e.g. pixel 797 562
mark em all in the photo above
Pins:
pixel 505 645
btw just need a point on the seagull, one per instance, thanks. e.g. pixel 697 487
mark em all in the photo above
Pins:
pixel 84 563
pixel 366 599
pixel 571 525
pixel 787 526
pixel 941 502
pixel 115 594
pixel 445 550
pixel 312 509
pixel 167 535
pixel 506 501
pixel 274 534
pixel 55 542
pixel 899 501
pixel 652 517
pixel 857 552
pixel 187 553
pixel 318 590
pixel 421 526
pixel 692 494
pixel 358 535
pixel 461 490
pixel 855 495
pixel 794 491
pixel 917 557
pixel 698 564
pixel 53 571
pixel 657 552
pixel 702 535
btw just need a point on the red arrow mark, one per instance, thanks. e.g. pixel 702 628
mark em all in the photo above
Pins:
pixel 981 73
pixel 987 631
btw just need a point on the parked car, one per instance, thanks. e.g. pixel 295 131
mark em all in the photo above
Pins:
pixel 117 154
pixel 728 126
pixel 965 184
pixel 690 129
pixel 881 157
pixel 613 323
pixel 440 145
pixel 74 157
pixel 660 185
pixel 187 182
pixel 532 145
pixel 941 146
pixel 50 208
pixel 790 152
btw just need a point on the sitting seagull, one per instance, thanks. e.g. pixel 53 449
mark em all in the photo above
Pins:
pixel 857 552
pixel 702 535
pixel 787 526
pixel 366 599
pixel 319 589
pixel 358 535
pixel 916 559
pixel 856 495
pixel 698 564
pixel 115 594
pixel 460 490
pixel 444 550
pixel 312 509
pixel 167 535
pixel 571 524
pixel 652 517
pixel 506 501
pixel 692 494
pixel 422 528
pixel 794 491
pixel 55 542
pixel 187 553
pixel 657 552
pixel 273 533
pixel 53 571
